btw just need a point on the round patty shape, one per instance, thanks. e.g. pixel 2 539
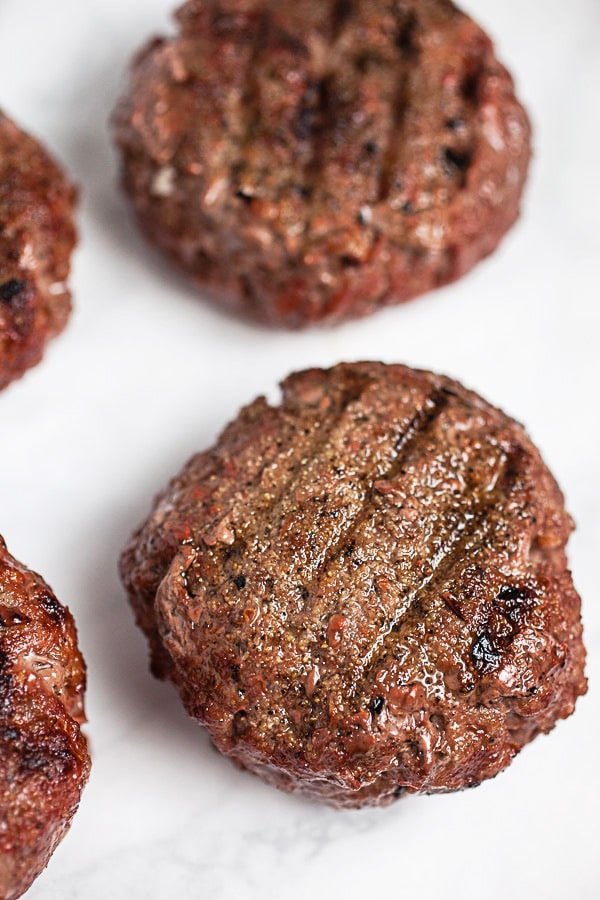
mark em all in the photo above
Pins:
pixel 309 161
pixel 37 237
pixel 363 591
pixel 44 761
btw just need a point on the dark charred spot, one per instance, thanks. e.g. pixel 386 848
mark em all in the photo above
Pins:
pixel 9 617
pixel 34 762
pixel 371 147
pixel 240 581
pixel 304 191
pixel 304 593
pixel 514 469
pixel 350 261
pixel 329 514
pixel 455 124
pixel 349 550
pixel 364 61
pixel 376 705
pixel 515 602
pixel 484 654
pixel 341 11
pixel 448 392
pixel 405 39
pixel 454 162
pixel 400 790
pixel 11 289
pixel 235 672
pixel 470 87
pixel 242 195
pixel 510 593
pixel 51 605
pixel 407 208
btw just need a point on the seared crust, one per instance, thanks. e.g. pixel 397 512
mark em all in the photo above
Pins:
pixel 312 162
pixel 364 590
pixel 44 761
pixel 37 237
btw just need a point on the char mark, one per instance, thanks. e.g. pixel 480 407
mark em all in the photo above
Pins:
pixel 408 51
pixel 11 289
pixel 342 10
pixel 419 425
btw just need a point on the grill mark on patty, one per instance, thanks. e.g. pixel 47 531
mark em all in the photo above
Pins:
pixel 257 496
pixel 318 134
pixel 471 539
pixel 310 449
pixel 360 86
pixel 408 55
pixel 342 10
pixel 422 421
pixel 290 71
pixel 322 109
pixel 458 147
pixel 245 78
pixel 468 534
pixel 250 103
pixel 367 471
pixel 493 485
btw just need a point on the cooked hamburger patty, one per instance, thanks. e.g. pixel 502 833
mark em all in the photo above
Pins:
pixel 310 161
pixel 44 761
pixel 364 591
pixel 37 237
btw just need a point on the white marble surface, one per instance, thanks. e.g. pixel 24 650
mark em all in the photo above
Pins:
pixel 145 374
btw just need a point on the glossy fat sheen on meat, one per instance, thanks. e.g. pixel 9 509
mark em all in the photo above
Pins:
pixel 44 761
pixel 309 161
pixel 37 237
pixel 363 591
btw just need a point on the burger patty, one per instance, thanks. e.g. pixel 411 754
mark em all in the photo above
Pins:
pixel 44 761
pixel 37 237
pixel 363 591
pixel 312 162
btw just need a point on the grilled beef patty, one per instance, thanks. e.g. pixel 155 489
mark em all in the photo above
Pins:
pixel 363 591
pixel 44 761
pixel 310 161
pixel 37 237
